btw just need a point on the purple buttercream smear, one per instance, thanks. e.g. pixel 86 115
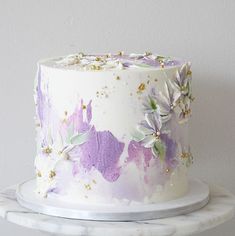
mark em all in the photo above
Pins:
pixel 44 112
pixel 40 100
pixel 80 124
pixel 102 151
pixel 136 153
pixel 171 148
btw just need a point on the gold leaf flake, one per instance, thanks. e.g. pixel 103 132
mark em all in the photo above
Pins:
pixel 141 87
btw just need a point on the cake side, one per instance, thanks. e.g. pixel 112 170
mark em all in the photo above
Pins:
pixel 116 135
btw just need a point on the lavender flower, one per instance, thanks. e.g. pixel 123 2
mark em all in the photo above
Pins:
pixel 149 132
pixel 185 109
pixel 183 83
pixel 183 76
pixel 165 102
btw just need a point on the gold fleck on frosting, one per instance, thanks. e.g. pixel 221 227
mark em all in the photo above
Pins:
pixel 47 150
pixel 189 72
pixel 141 87
pixel 52 174
pixel 148 54
pixel 120 53
pixel 83 107
pixel 118 78
pixel 185 155
pixel 39 174
pixel 87 186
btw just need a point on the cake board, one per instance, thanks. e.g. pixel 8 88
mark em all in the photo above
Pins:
pixel 196 198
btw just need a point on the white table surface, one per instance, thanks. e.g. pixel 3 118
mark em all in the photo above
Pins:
pixel 220 208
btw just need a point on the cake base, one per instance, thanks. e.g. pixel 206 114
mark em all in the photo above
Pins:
pixel 196 198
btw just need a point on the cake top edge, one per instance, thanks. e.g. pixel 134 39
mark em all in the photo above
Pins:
pixel 107 62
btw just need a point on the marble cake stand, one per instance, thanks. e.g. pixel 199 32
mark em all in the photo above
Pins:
pixel 220 208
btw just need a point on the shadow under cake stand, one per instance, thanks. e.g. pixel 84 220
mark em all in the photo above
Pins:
pixel 220 208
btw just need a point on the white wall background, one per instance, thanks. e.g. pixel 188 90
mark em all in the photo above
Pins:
pixel 202 31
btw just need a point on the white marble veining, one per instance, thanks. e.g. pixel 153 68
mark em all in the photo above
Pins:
pixel 220 208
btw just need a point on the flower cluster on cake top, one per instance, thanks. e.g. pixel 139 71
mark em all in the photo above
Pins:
pixel 120 61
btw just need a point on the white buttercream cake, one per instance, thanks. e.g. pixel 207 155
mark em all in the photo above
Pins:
pixel 112 129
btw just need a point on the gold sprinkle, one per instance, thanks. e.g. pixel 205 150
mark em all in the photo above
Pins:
pixel 83 107
pixel 47 150
pixel 148 53
pixel 98 59
pixel 87 186
pixel 52 174
pixel 148 82
pixel 141 87
pixel 65 113
pixel 94 181
pixel 118 78
pixel 95 67
pixel 156 80
pixel 162 65
pixel 120 53
pixel 39 174
pixel 185 155
pixel 189 72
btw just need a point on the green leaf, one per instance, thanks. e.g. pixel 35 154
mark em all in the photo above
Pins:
pixel 143 65
pixel 79 138
pixel 70 132
pixel 137 136
pixel 153 104
pixel 159 150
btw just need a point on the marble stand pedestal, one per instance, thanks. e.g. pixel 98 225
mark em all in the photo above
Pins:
pixel 220 208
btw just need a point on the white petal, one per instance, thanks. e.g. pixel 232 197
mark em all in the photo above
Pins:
pixel 149 141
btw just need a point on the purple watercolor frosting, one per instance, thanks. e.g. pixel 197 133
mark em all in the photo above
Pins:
pixel 102 151
pixel 171 148
pixel 136 152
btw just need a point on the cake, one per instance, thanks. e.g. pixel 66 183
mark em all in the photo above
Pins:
pixel 112 128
